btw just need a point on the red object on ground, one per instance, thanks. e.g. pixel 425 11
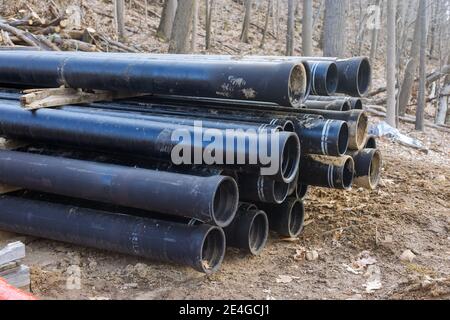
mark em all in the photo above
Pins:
pixel 8 292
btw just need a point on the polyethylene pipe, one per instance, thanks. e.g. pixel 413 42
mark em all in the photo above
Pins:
pixel 257 188
pixel 324 78
pixel 248 231
pixel 287 218
pixel 211 199
pixel 327 172
pixel 201 247
pixel 356 103
pixel 368 164
pixel 283 83
pixel 337 105
pixel 146 138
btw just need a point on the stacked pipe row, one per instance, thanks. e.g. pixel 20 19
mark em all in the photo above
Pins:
pixel 102 174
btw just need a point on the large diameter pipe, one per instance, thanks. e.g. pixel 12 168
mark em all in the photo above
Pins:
pixel 322 136
pixel 149 138
pixel 337 105
pixel 355 74
pixel 248 231
pixel 211 199
pixel 201 247
pixel 283 83
pixel 355 103
pixel 368 164
pixel 324 78
pixel 327 172
pixel 256 188
pixel 287 218
pixel 357 121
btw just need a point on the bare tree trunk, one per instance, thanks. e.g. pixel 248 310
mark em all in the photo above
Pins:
pixel 411 67
pixel 390 63
pixel 179 40
pixel 307 26
pixel 375 31
pixel 443 105
pixel 334 40
pixel 290 29
pixel 167 17
pixel 119 17
pixel 194 26
pixel 266 24
pixel 247 18
pixel 210 8
pixel 421 100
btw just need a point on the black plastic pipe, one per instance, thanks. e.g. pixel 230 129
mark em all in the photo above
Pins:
pixel 248 231
pixel 355 103
pixel 301 191
pixel 142 137
pixel 283 83
pixel 337 105
pixel 324 78
pixel 287 218
pixel 371 142
pixel 368 164
pixel 327 172
pixel 257 188
pixel 211 199
pixel 201 247
pixel 322 136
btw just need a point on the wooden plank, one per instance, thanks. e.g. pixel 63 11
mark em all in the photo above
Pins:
pixel 12 252
pixel 55 97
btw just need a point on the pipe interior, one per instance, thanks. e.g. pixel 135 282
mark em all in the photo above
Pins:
pixel 357 104
pixel 348 172
pixel 332 79
pixel 290 158
pixel 225 202
pixel 343 139
pixel 362 129
pixel 297 85
pixel 301 190
pixel 296 218
pixel 375 169
pixel 213 250
pixel 346 106
pixel 280 191
pixel 371 143
pixel 289 126
pixel 364 76
pixel 258 233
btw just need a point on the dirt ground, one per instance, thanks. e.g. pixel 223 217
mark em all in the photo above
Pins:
pixel 359 236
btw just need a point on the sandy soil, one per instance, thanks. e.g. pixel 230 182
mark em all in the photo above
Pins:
pixel 359 236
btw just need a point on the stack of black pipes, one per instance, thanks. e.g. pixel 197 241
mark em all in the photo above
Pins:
pixel 103 174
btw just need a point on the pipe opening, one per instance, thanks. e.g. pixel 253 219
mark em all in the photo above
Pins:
pixel 297 85
pixel 259 231
pixel 371 143
pixel 290 158
pixel 357 104
pixel 226 200
pixel 301 191
pixel 364 76
pixel 280 191
pixel 343 139
pixel 348 172
pixel 289 126
pixel 213 250
pixel 296 219
pixel 346 106
pixel 332 79
pixel 375 169
pixel 361 130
